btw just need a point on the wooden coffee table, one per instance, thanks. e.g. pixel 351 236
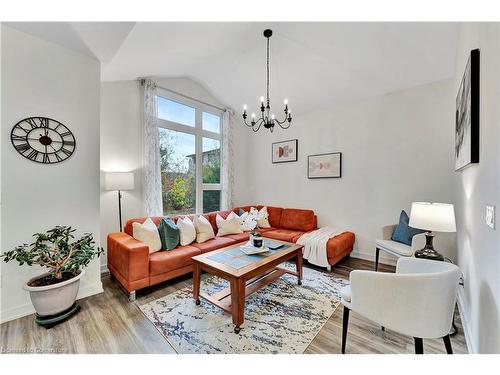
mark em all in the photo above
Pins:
pixel 246 274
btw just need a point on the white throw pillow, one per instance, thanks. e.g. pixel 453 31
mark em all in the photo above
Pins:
pixel 262 217
pixel 247 222
pixel 147 233
pixel 230 225
pixel 204 230
pixel 187 231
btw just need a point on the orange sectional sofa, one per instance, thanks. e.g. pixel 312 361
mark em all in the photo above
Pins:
pixel 131 264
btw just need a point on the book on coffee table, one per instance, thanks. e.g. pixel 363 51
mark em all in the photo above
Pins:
pixel 250 249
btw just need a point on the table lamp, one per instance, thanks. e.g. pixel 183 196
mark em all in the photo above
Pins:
pixel 439 217
pixel 119 181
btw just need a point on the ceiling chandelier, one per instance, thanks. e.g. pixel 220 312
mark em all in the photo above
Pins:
pixel 267 119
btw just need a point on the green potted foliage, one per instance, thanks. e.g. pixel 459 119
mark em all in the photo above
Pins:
pixel 55 291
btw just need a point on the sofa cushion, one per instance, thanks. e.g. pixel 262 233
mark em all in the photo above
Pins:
pixel 165 261
pixel 128 226
pixel 295 219
pixel 230 225
pixel 340 245
pixel 169 234
pixel 204 230
pixel 283 234
pixel 274 215
pixel 214 244
pixel 239 237
pixel 263 230
pixel 187 231
pixel 147 233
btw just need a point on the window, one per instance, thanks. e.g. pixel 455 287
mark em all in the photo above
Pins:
pixel 190 155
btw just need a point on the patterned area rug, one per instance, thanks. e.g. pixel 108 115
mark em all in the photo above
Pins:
pixel 282 317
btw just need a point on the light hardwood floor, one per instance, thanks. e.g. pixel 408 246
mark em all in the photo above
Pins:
pixel 108 323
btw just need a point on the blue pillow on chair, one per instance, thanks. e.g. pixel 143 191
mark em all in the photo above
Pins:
pixel 403 232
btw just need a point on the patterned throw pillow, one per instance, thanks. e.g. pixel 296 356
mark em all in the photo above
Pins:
pixel 262 217
pixel 169 234
pixel 247 222
pixel 204 230
pixel 187 231
pixel 403 232
pixel 147 233
pixel 230 225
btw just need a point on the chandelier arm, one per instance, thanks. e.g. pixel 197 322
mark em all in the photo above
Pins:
pixel 284 120
pixel 259 124
pixel 245 121
pixel 284 127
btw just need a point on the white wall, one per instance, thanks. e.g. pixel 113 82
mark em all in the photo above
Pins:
pixel 121 122
pixel 396 149
pixel 41 78
pixel 476 186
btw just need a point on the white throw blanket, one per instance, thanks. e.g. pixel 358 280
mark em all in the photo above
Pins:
pixel 315 245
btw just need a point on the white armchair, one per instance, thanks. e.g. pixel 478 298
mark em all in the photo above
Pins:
pixel 394 248
pixel 418 300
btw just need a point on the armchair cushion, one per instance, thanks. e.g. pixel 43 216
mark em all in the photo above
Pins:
pixel 394 247
pixel 404 233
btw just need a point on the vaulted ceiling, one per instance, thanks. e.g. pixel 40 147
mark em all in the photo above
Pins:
pixel 312 64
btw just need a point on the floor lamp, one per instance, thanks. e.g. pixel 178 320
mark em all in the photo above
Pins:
pixel 118 181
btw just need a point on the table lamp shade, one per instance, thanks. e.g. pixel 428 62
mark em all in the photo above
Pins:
pixel 438 217
pixel 119 180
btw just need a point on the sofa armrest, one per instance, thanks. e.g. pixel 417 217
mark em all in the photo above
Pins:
pixel 128 257
pixel 387 231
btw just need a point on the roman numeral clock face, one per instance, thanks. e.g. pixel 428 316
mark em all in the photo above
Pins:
pixel 43 140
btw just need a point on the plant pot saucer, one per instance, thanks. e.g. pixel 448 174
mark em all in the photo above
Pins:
pixel 48 321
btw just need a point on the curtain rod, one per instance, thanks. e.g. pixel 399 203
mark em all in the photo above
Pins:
pixel 185 96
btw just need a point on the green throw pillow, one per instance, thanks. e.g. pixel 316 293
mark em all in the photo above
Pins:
pixel 169 234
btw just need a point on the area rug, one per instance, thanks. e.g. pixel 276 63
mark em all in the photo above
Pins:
pixel 282 317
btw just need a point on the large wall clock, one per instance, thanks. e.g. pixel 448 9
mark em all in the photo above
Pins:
pixel 43 140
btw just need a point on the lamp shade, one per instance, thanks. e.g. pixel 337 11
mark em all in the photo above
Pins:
pixel 439 217
pixel 119 180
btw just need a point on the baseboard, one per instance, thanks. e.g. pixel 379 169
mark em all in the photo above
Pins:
pixel 465 322
pixel 27 309
pixel 371 256
pixel 104 268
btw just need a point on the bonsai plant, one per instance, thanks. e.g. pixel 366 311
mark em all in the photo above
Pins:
pixel 55 291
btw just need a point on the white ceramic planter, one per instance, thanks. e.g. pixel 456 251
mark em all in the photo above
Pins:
pixel 55 298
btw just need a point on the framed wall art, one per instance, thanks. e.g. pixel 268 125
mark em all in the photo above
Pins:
pixel 467 115
pixel 324 165
pixel 285 151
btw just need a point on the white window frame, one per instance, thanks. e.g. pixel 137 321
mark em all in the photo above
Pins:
pixel 199 134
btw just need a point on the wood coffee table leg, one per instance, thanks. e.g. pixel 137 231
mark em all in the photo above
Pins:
pixel 238 303
pixel 298 263
pixel 196 282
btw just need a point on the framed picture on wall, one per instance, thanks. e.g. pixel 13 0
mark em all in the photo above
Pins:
pixel 324 165
pixel 285 151
pixel 467 115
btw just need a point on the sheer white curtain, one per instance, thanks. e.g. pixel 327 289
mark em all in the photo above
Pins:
pixel 227 175
pixel 151 184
